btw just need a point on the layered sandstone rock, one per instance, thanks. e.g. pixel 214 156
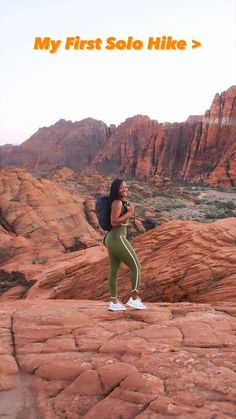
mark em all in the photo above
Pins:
pixel 40 220
pixel 18 274
pixel 181 261
pixel 75 359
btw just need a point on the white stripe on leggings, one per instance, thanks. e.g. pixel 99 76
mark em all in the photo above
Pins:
pixel 135 289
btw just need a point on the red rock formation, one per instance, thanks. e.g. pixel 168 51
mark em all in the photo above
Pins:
pixel 225 172
pixel 201 149
pixel 7 152
pixel 181 261
pixel 74 359
pixel 198 150
pixel 40 221
pixel 64 143
pixel 210 152
pixel 143 148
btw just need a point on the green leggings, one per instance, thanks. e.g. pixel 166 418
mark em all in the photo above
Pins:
pixel 120 250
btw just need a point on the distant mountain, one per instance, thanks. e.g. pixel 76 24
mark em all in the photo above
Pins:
pixel 62 144
pixel 201 149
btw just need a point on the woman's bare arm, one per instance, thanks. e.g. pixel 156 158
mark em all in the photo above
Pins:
pixel 116 218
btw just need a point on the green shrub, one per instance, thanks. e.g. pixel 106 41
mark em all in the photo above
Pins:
pixel 40 174
pixel 220 189
pixel 14 200
pixel 170 206
pixel 217 213
pixel 225 204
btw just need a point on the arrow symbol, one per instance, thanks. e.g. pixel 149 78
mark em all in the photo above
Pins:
pixel 196 44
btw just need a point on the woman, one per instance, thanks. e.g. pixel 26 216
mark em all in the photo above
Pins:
pixel 119 248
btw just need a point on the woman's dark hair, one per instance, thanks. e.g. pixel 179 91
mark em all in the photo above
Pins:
pixel 114 194
pixel 114 190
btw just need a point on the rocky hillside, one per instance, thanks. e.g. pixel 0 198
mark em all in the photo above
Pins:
pixel 201 149
pixel 49 235
pixel 181 261
pixel 40 220
pixel 74 359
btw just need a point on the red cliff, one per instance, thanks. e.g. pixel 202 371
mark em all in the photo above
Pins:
pixel 211 153
pixel 201 149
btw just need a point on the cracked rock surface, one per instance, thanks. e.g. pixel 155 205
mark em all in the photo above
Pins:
pixel 75 359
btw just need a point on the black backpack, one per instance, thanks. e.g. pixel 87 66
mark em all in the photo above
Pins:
pixel 103 213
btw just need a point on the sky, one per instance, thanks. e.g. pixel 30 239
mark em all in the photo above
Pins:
pixel 37 88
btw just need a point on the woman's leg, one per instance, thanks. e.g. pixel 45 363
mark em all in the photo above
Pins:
pixel 114 263
pixel 127 255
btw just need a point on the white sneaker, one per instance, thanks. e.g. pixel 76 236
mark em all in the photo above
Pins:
pixel 136 303
pixel 116 306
